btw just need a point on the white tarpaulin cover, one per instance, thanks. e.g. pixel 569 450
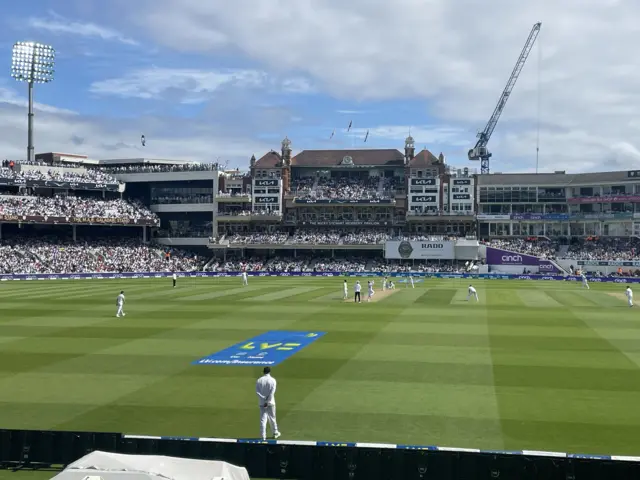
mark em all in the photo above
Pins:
pixel 116 466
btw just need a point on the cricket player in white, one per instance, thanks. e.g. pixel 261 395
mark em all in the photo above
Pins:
pixel 411 280
pixel 245 280
pixel 120 305
pixel 370 291
pixel 585 284
pixel 472 293
pixel 266 391
pixel 392 286
pixel 175 280
pixel 346 290
pixel 384 284
pixel 629 294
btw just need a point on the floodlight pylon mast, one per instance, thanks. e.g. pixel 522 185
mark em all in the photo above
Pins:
pixel 32 63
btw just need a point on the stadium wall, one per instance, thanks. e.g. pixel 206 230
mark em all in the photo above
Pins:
pixel 311 460
pixel 484 276
pixel 604 266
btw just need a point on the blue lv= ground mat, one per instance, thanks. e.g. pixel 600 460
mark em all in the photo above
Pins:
pixel 268 349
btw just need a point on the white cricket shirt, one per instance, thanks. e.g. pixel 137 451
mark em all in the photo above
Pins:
pixel 266 390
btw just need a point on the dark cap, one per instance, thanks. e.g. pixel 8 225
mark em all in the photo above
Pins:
pixel 266 370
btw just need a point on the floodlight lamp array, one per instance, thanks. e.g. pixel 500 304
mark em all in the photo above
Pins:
pixel 33 62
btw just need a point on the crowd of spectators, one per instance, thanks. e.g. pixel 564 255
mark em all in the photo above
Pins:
pixel 429 266
pixel 254 264
pixel 258 238
pixel 341 265
pixel 149 168
pixel 365 237
pixel 25 255
pixel 599 248
pixel 301 187
pixel 88 176
pixel 313 237
pixel 316 237
pixel 538 248
pixel 347 188
pixel 193 198
pixel 69 206
pixel 342 188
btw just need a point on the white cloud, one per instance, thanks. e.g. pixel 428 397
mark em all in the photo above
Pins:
pixel 60 25
pixel 61 131
pixel 454 54
pixel 192 85
pixel 423 134
pixel 10 97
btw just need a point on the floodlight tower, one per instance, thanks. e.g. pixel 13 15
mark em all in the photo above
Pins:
pixel 32 63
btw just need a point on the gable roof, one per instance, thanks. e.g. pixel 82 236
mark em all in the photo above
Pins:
pixel 269 160
pixel 360 157
pixel 423 159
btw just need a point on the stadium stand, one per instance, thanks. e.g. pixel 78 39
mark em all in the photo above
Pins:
pixel 86 255
pixel 95 176
pixel 539 248
pixel 604 249
pixel 65 206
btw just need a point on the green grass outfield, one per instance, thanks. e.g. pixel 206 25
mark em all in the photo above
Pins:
pixel 535 365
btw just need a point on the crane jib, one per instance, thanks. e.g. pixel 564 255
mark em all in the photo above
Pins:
pixel 480 151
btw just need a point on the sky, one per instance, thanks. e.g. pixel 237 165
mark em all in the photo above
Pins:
pixel 221 81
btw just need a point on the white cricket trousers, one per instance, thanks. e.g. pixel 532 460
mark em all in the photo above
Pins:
pixel 630 301
pixel 475 295
pixel 120 312
pixel 268 414
pixel 585 285
pixel 245 281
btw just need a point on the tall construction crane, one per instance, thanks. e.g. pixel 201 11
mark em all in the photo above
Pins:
pixel 480 151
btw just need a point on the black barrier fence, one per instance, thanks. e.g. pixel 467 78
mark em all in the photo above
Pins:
pixel 28 449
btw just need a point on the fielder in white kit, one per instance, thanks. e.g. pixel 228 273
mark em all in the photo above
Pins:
pixel 346 290
pixel 245 280
pixel 266 391
pixel 120 305
pixel 629 293
pixel 370 291
pixel 472 293
pixel 585 284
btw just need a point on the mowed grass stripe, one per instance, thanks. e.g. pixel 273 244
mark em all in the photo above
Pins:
pixel 537 299
pixel 282 294
pixel 525 392
pixel 436 297
pixel 83 332
pixel 578 298
pixel 533 350
pixel 242 378
pixel 220 291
